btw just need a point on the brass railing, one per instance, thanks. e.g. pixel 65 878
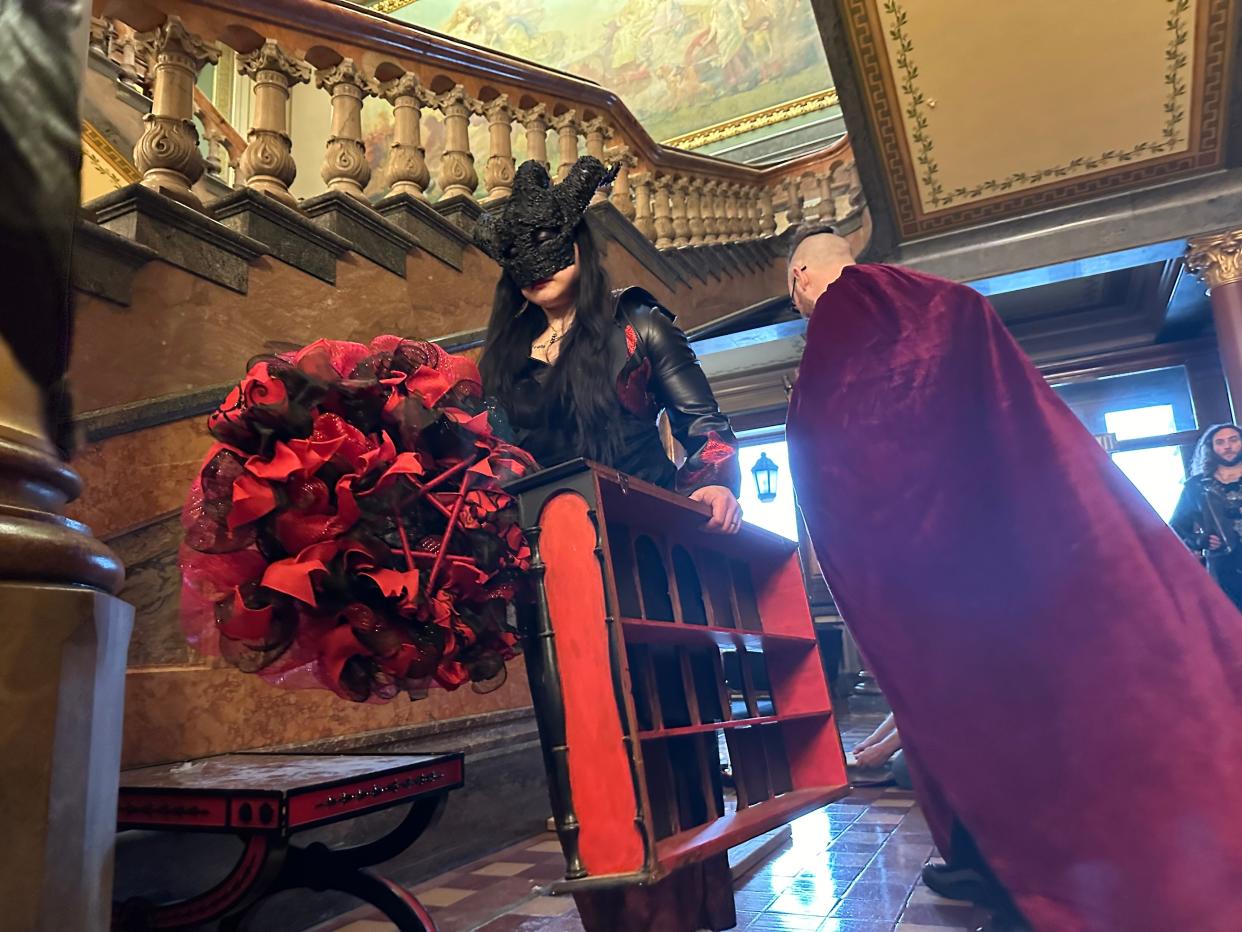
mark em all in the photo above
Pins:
pixel 674 197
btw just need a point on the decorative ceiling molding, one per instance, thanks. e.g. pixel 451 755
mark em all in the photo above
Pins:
pixel 901 111
pixel 760 119
pixel 391 6
pixel 107 158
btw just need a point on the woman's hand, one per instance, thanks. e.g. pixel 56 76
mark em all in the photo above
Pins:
pixel 878 753
pixel 726 512
pixel 1214 542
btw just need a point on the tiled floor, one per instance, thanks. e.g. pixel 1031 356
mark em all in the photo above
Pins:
pixel 850 867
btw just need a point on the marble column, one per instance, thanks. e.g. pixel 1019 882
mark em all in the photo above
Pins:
pixel 345 165
pixel 1217 260
pixel 457 177
pixel 407 160
pixel 499 172
pixel 167 151
pixel 643 217
pixel 267 164
pixel 535 122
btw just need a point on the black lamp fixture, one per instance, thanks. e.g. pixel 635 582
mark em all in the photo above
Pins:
pixel 765 478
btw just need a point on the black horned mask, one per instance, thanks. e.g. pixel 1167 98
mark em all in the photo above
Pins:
pixel 533 238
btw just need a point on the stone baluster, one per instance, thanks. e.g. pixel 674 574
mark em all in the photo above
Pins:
pixel 711 224
pixel 730 228
pixel 217 158
pixel 767 213
pixel 499 172
pixel 267 164
pixel 793 194
pixel 643 218
pixel 458 177
pixel 345 165
pixel 167 152
pixel 694 212
pixel 750 207
pixel 101 36
pixel 825 211
pixel 566 126
pixel 126 44
pixel 535 122
pixel 622 196
pixel 680 191
pixel 597 133
pixel 407 160
pixel 661 200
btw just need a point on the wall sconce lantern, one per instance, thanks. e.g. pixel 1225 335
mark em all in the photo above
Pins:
pixel 765 472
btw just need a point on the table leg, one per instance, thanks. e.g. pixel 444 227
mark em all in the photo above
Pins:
pixel 261 861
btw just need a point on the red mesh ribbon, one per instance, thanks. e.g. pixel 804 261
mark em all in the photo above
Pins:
pixel 349 530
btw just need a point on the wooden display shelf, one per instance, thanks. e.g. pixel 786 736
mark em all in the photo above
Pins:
pixel 714 640
pixel 706 727
pixel 641 631
pixel 733 828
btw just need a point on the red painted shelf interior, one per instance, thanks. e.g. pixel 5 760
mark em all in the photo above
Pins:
pixel 724 832
pixel 641 631
pixel 707 727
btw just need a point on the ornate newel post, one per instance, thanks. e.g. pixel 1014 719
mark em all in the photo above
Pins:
pixel 566 126
pixel 167 152
pixel 63 635
pixel 267 164
pixel 458 177
pixel 407 160
pixel 1217 260
pixel 643 218
pixel 500 170
pixel 535 122
pixel 345 165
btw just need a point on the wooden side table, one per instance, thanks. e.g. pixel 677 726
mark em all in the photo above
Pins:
pixel 267 798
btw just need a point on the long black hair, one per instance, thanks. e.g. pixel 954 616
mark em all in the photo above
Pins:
pixel 581 383
pixel 1205 460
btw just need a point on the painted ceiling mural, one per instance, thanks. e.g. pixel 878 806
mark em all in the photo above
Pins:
pixel 679 65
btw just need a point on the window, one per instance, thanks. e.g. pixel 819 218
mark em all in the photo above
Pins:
pixel 1135 423
pixel 779 515
pixel 1158 473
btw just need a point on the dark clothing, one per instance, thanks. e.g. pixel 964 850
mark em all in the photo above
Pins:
pixel 655 370
pixel 1211 507
pixel 1020 603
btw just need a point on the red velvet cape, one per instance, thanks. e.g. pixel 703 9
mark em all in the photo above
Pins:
pixel 1066 678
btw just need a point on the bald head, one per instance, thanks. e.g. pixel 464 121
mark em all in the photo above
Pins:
pixel 816 260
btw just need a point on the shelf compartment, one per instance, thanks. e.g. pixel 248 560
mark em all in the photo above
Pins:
pixel 706 727
pixel 641 631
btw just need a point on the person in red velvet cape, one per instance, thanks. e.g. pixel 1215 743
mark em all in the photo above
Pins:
pixel 1024 609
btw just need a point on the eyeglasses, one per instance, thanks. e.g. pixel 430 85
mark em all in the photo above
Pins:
pixel 793 282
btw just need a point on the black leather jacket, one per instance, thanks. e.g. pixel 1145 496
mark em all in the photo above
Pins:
pixel 656 370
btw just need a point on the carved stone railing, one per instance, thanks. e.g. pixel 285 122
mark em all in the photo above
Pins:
pixel 675 198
